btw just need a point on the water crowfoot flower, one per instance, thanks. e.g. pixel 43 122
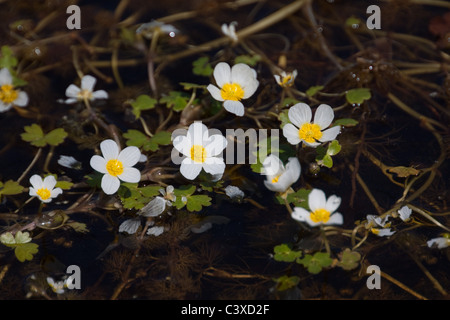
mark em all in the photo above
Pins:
pixel 116 165
pixel 86 92
pixel 200 151
pixel 285 79
pixel 379 226
pixel 44 189
pixel 312 134
pixel 440 243
pixel 322 210
pixel 235 84
pixel 404 213
pixel 230 31
pixel 280 178
pixel 9 96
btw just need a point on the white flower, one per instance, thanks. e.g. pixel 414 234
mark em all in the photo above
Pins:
pixel 379 226
pixel 86 92
pixel 230 30
pixel 115 165
pixel 201 151
pixel 321 210
pixel 44 189
pixel 279 178
pixel 155 231
pixel 382 232
pixel 285 79
pixel 301 128
pixel 440 243
pixel 404 213
pixel 168 194
pixel 57 287
pixel 149 28
pixel 235 84
pixel 10 96
pixel 234 193
pixel 20 237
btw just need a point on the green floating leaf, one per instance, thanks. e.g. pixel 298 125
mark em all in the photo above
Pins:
pixel 334 148
pixel 250 60
pixel 133 197
pixel 26 251
pixel 138 139
pixel 185 197
pixel 143 102
pixel 197 202
pixel 176 100
pixel 286 282
pixel 284 253
pixel 349 260
pixel 65 185
pixel 353 22
pixel 315 263
pixel 202 67
pixel 35 135
pixel 299 198
pixel 10 187
pixel 346 122
pixel 313 90
pixel 78 226
pixel 7 59
pixel 358 96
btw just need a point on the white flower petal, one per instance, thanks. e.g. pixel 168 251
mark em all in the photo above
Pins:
pixel 197 133
pixel 110 184
pixel 88 83
pixel 299 114
pixel 317 199
pixel 290 132
pixel 70 100
pixel 214 165
pixel 5 77
pixel 100 94
pixel 242 74
pixel 72 91
pixel 49 182
pixel 5 107
pixel 131 175
pixel 129 156
pixel 110 149
pixel 404 213
pixel 312 144
pixel 98 164
pixel 22 99
pixel 335 218
pixel 293 169
pixel 155 231
pixel 130 226
pixel 36 182
pixel 330 134
pixel 154 208
pixel 324 116
pixel 215 145
pixel 55 192
pixel 222 74
pixel 234 107
pixel 190 169
pixel 272 166
pixel 183 145
pixel 215 92
pixel 333 202
pixel 32 192
pixel 302 215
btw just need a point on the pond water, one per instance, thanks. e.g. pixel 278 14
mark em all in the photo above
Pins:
pixel 388 88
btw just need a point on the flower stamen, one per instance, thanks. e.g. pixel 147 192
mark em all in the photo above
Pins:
pixel 8 94
pixel 310 132
pixel 43 193
pixel 232 91
pixel 198 153
pixel 114 167
pixel 320 215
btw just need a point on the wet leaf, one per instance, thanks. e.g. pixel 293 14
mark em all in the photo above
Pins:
pixel 10 187
pixel 250 60
pixel 334 148
pixel 55 137
pixel 197 202
pixel 313 90
pixel 7 59
pixel 315 263
pixel 176 100
pixel 284 253
pixel 133 197
pixel 404 172
pixel 202 67
pixel 349 260
pixel 140 140
pixel 26 251
pixel 78 226
pixel 346 122
pixel 143 102
pixel 65 185
pixel 35 135
pixel 357 96
pixel 286 282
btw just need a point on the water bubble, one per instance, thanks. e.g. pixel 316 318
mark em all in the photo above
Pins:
pixel 172 34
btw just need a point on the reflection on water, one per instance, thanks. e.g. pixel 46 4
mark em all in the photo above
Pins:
pixel 229 237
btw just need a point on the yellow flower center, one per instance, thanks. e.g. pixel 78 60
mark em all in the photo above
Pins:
pixel 320 215
pixel 275 179
pixel 198 153
pixel 85 94
pixel 43 193
pixel 114 167
pixel 310 132
pixel 232 91
pixel 285 82
pixel 8 94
